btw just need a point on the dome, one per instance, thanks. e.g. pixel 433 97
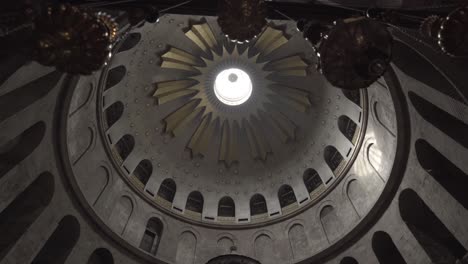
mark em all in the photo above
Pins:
pixel 188 147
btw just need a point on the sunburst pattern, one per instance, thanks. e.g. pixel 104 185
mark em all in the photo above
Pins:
pixel 232 126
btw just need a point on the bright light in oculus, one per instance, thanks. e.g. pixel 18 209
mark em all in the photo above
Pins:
pixel 233 86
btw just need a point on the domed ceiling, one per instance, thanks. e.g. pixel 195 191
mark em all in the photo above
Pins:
pixel 160 104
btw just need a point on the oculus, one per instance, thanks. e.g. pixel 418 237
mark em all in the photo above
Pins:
pixel 233 86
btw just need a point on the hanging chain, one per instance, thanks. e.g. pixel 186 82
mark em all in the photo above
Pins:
pixel 11 23
pixel 434 7
pixel 413 36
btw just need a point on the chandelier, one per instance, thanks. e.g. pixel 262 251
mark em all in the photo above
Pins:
pixel 354 53
pixel 73 40
pixel 353 45
pixel 242 20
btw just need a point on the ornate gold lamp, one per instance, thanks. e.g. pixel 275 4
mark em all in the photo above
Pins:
pixel 73 40
pixel 242 20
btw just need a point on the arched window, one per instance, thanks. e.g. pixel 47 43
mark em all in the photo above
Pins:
pixel 385 250
pixel 347 127
pixel 143 171
pixel 114 112
pixel 60 243
pixel 19 215
pixel 353 95
pixel 167 190
pixel 333 158
pixel 258 205
pixel 434 237
pixel 286 196
pixel 101 256
pixel 115 75
pixel 125 146
pixel 226 207
pixel 447 174
pixel 312 180
pixel 195 202
pixel 130 41
pixel 152 236
pixel 348 260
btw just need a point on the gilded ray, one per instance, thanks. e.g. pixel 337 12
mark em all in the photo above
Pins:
pixel 218 130
pixel 171 90
pixel 177 120
pixel 195 143
pixel 228 151
pixel 296 98
pixel 259 146
pixel 202 36
pixel 180 60
pixel 284 127
pixel 289 66
pixel 270 40
pixel 202 139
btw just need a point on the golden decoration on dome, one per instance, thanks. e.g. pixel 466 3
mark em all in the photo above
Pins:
pixel 73 39
pixel 111 25
pixel 230 126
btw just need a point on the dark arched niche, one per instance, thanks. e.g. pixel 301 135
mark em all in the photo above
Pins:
pixel 435 238
pixel 152 236
pixel 385 249
pixel 232 259
pixel 349 260
pixel 59 245
pixel 101 256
